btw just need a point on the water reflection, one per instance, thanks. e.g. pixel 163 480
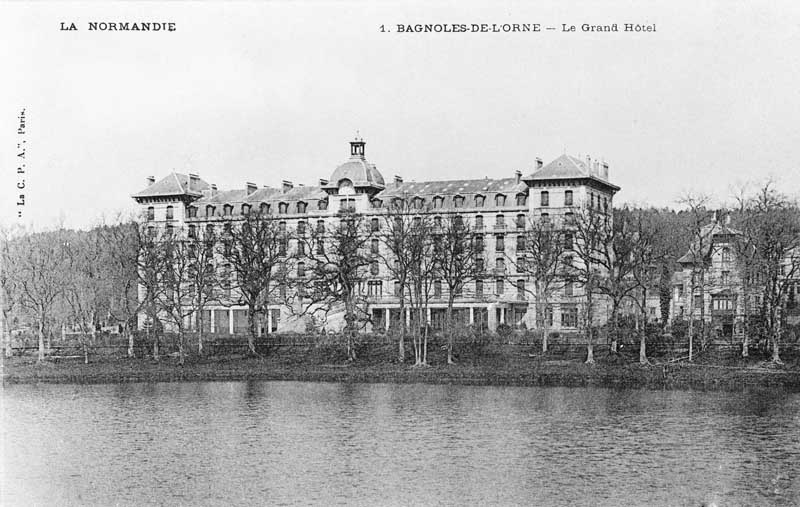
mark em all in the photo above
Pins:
pixel 301 443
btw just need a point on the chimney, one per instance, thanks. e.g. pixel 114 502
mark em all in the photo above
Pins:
pixel 251 188
pixel 194 181
pixel 151 180
pixel 213 189
pixel 287 185
pixel 518 175
pixel 397 180
pixel 539 163
pixel 604 173
pixel 323 182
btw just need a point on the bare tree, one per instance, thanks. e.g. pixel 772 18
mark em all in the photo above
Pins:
pixel 40 262
pixel 150 270
pixel 456 261
pixel 698 258
pixel 424 245
pixel 202 276
pixel 542 262
pixel 176 294
pixel 9 288
pixel 591 234
pixel 646 259
pixel 770 254
pixel 338 265
pixel 257 251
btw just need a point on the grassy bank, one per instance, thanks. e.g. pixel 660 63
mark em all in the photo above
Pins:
pixel 496 366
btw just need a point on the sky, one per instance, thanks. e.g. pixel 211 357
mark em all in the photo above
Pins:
pixel 268 91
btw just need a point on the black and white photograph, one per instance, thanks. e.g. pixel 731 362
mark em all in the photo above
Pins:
pixel 400 253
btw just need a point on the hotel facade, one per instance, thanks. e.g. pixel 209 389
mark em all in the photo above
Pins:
pixel 498 210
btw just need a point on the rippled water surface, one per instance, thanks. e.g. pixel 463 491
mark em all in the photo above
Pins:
pixel 286 443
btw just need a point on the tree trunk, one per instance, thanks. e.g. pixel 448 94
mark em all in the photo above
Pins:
pixel 251 336
pixel 41 341
pixel 200 332
pixel 126 329
pixel 181 354
pixel 776 336
pixel 449 321
pixel 155 346
pixel 643 331
pixel 589 330
pixel 401 346
pixel 614 328
pixel 746 344
pixel 590 353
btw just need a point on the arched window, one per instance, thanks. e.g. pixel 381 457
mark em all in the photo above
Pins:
pixel 301 207
pixel 283 208
pixel 301 228
pixel 500 200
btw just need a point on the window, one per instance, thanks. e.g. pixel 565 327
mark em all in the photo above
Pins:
pixel 301 228
pixel 546 217
pixel 170 212
pixel 282 290
pixel 500 286
pixel 522 199
pixel 569 316
pixel 245 209
pixel 568 290
pixel 437 288
pixel 375 225
pixel 568 261
pixel 282 227
pixel 301 269
pixel 500 265
pixel 397 289
pixel 548 315
pixel 592 199
pixel 320 246
pixel 283 208
pixel 726 277
pixel 726 254
pixel 500 200
pixel 437 222
pixel 479 223
pixel 151 213
pixel 479 288
pixel 347 205
pixel 458 222
pixel 479 242
pixel 438 201
pixel 722 303
pixel 520 289
pixel 520 221
pixel 479 265
pixel 301 207
pixel 605 204
pixel 301 248
pixel 567 241
pixel 226 228
pixel 322 204
pixel 376 203
pixel 499 243
pixel 374 246
pixel 169 230
pixel 374 288
pixel 373 268
pixel 479 201
pixel 283 245
pixel 209 230
pixel 209 211
pixel 545 199
pixel 522 265
pixel 320 226
pixel 567 197
pixel 500 222
pixel 192 232
pixel 458 201
pixel 264 208
pixel 192 211
pixel 521 243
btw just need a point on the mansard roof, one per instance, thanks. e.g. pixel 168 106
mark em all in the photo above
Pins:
pixel 174 184
pixel 568 167
pixel 486 187
pixel 266 194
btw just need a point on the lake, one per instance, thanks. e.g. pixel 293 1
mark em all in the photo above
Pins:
pixel 296 443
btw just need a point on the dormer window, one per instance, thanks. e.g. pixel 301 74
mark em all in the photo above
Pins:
pixel 419 203
pixel 458 201
pixel 301 207
pixel 227 210
pixel 170 212
pixel 283 208
pixel 264 208
pixel 246 209
pixel 500 200
pixel 438 201
pixel 209 211
pixel 480 200
pixel 322 204
pixel 522 199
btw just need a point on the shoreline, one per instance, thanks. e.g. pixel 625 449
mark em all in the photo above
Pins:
pixel 535 372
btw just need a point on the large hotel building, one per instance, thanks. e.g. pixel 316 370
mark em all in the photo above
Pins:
pixel 498 209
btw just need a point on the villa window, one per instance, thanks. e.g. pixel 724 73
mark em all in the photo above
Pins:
pixel 151 213
pixel 479 242
pixel 500 286
pixel 500 222
pixel 568 198
pixel 568 289
pixel 374 246
pixel 373 268
pixel 521 243
pixel 301 228
pixel 322 204
pixel 569 316
pixel 192 212
pixel 520 221
pixel 192 232
pixel 522 199
pixel 170 213
pixel 478 288
pixel 301 269
pixel 500 243
pixel 437 288
pixel 520 289
pixel 209 231
pixel 568 243
pixel 726 254
pixel 264 208
pixel 544 198
pixel 375 225
pixel 479 223
pixel 438 202
pixel 320 226
pixel 209 211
